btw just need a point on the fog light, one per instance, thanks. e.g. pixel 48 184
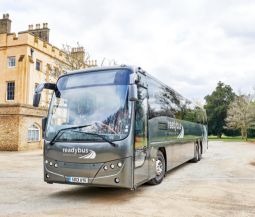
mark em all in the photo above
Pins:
pixel 112 166
pixel 117 180
pixel 56 165
pixel 47 176
pixel 119 164
pixel 51 163
pixel 46 161
pixel 105 167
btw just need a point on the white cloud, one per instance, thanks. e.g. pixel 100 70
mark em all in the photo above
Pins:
pixel 190 45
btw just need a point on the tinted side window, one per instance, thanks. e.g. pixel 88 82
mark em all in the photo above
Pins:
pixel 188 111
pixel 163 101
pixel 200 115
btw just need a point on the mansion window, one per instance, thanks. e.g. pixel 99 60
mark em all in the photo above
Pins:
pixel 11 61
pixel 33 133
pixel 38 65
pixel 10 90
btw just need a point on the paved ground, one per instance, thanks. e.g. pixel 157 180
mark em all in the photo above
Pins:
pixel 221 184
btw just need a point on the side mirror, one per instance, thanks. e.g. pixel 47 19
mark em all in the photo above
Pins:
pixel 36 99
pixel 38 91
pixel 132 92
pixel 44 122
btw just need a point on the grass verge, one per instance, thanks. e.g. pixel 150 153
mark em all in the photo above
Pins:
pixel 230 139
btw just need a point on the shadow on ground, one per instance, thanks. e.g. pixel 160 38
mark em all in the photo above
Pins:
pixel 252 163
pixel 105 195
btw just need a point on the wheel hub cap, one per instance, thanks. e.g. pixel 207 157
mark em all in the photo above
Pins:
pixel 159 167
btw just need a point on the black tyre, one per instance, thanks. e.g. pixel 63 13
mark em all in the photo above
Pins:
pixel 196 154
pixel 160 169
pixel 200 151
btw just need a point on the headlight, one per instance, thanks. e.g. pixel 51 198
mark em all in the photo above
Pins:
pixel 112 166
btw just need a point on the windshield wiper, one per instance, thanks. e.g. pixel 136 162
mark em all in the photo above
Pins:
pixel 102 137
pixel 64 129
pixel 79 127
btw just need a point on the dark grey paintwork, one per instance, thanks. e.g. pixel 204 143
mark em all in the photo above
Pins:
pixel 178 151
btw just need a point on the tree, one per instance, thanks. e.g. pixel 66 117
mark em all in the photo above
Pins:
pixel 241 114
pixel 216 107
pixel 74 58
pixel 108 62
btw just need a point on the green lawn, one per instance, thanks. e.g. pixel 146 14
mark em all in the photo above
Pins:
pixel 230 139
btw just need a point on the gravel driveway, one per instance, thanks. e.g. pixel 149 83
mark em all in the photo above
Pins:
pixel 221 184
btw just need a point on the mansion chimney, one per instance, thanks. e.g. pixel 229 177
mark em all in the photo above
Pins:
pixel 78 53
pixel 41 32
pixel 5 24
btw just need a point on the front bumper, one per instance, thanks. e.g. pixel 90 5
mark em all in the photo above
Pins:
pixel 97 174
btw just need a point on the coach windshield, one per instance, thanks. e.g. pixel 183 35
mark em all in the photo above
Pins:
pixel 97 100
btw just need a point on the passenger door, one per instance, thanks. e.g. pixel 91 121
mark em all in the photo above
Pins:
pixel 141 170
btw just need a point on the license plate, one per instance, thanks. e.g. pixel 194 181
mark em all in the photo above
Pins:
pixel 77 179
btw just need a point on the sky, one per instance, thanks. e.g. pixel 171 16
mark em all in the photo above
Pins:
pixel 190 45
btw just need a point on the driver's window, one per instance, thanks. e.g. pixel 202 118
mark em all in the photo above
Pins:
pixel 60 111
pixel 141 119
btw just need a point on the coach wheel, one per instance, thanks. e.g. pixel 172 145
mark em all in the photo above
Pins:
pixel 196 156
pixel 160 169
pixel 200 151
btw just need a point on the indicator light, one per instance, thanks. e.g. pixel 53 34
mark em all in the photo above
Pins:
pixel 56 165
pixel 117 180
pixel 119 164
pixel 51 163
pixel 105 167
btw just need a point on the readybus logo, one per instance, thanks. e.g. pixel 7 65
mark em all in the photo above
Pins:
pixel 173 125
pixel 86 153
